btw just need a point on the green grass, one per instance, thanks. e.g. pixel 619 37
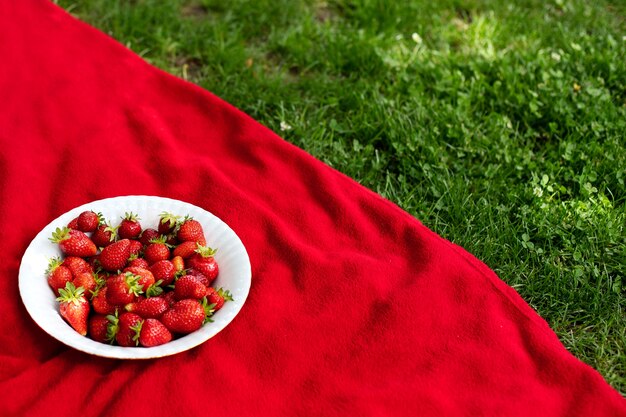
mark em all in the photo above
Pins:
pixel 501 126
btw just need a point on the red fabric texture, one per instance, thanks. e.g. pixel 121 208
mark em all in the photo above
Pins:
pixel 355 307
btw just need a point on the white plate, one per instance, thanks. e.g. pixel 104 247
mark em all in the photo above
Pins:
pixel 232 258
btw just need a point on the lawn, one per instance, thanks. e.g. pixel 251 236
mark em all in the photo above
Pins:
pixel 501 126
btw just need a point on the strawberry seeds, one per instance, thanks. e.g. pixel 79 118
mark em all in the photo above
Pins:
pixel 130 286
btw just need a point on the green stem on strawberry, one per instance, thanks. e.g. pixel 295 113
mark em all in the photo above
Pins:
pixel 226 295
pixel 113 327
pixel 70 294
pixel 137 332
pixel 53 263
pixel 205 251
pixel 208 310
pixel 154 289
pixel 132 281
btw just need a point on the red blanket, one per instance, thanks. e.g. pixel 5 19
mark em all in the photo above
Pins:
pixel 355 307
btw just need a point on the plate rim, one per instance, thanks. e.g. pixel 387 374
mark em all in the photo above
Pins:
pixel 134 353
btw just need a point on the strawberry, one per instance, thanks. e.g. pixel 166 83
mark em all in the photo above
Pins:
pixel 186 249
pixel 74 307
pixel 115 256
pixel 77 265
pixel 185 316
pixel 156 251
pixel 129 228
pixel 88 221
pixel 123 289
pixel 138 262
pixel 189 287
pixel 167 223
pixel 74 242
pixel 135 247
pixel 147 235
pixel 129 326
pixel 153 333
pixel 85 280
pixel 152 307
pixel 199 276
pixel 171 239
pixel 179 263
pixel 73 224
pixel 218 297
pixel 110 279
pixel 103 328
pixel 58 275
pixel 163 270
pixel 190 231
pixel 204 262
pixel 169 298
pixel 100 303
pixel 93 262
pixel 146 279
pixel 104 235
pixel 97 328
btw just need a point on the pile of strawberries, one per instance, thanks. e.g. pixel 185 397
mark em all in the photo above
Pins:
pixel 134 286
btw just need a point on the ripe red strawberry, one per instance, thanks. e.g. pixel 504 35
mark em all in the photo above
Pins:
pixel 148 235
pixel 163 270
pixel 169 298
pixel 74 242
pixel 104 235
pixel 115 256
pixel 178 263
pixel 153 333
pixel 167 223
pixel 85 280
pixel 58 275
pixel 74 307
pixel 93 262
pixel 103 328
pixel 156 251
pixel 97 328
pixel 189 287
pixel 100 303
pixel 138 262
pixel 77 265
pixel 129 326
pixel 135 247
pixel 184 317
pixel 152 307
pixel 199 276
pixel 73 224
pixel 129 228
pixel 88 221
pixel 204 262
pixel 146 279
pixel 190 231
pixel 123 289
pixel 110 278
pixel 186 249
pixel 218 297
